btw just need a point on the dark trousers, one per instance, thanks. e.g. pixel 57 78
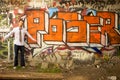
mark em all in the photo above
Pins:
pixel 22 60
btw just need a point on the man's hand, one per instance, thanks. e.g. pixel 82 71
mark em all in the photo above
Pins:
pixel 2 39
pixel 35 40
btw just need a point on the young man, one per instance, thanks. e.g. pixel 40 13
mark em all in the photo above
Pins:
pixel 19 34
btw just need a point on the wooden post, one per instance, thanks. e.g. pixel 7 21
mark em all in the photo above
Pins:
pixel 8 50
pixel 13 52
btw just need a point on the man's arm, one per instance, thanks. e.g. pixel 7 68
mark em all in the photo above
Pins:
pixel 8 35
pixel 30 36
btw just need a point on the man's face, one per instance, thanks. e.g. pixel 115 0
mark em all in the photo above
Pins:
pixel 20 23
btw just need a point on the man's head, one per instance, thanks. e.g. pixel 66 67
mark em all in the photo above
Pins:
pixel 21 23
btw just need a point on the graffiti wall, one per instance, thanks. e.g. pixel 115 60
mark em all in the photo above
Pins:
pixel 64 29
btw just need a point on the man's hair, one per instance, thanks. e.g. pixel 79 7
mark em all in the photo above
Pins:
pixel 21 20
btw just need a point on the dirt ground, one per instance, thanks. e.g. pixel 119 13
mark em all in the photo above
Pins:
pixel 100 70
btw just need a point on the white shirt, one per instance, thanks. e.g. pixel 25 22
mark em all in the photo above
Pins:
pixel 16 32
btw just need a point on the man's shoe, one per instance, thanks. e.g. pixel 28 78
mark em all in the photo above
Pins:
pixel 23 67
pixel 14 67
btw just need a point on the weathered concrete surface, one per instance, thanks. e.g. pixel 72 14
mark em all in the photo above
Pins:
pixel 31 76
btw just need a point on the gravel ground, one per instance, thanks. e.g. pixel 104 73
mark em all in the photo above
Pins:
pixel 100 70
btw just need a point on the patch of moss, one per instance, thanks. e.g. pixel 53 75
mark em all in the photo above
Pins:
pixel 36 69
pixel 52 68
pixel 18 68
